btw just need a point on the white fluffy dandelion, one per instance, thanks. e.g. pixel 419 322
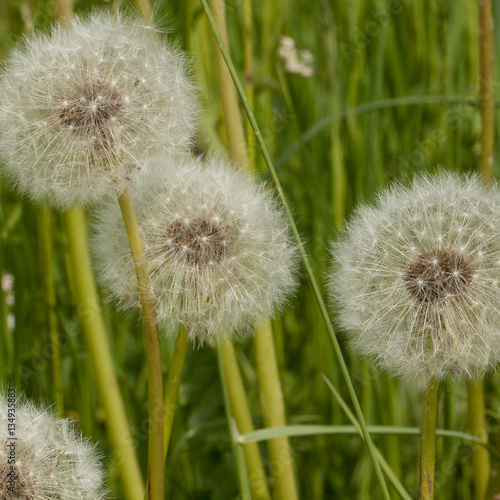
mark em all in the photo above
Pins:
pixel 218 248
pixel 417 278
pixel 48 460
pixel 82 108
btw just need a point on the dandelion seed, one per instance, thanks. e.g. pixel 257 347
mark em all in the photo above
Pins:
pixel 218 248
pixel 82 107
pixel 422 301
pixel 52 462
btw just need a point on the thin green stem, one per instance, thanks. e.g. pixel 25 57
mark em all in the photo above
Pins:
pixel 230 107
pixel 249 65
pixel 428 441
pixel 477 426
pixel 144 8
pixel 46 251
pixel 173 384
pixel 273 411
pixel 100 353
pixel 486 89
pixel 314 284
pixel 243 418
pixel 155 480
pixel 243 478
pixel 475 390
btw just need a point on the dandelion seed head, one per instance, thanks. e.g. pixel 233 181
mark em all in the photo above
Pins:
pixel 52 461
pixel 415 278
pixel 219 250
pixel 81 105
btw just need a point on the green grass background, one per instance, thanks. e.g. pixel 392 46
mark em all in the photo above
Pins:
pixel 394 92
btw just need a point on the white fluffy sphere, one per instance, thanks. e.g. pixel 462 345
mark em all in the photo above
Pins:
pixel 82 108
pixel 52 461
pixel 218 248
pixel 417 278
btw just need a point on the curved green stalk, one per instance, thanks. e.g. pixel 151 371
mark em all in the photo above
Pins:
pixel 477 426
pixel 173 384
pixel 428 441
pixel 273 411
pixel 243 418
pixel 46 250
pixel 243 478
pixel 100 353
pixel 475 390
pixel 312 279
pixel 155 480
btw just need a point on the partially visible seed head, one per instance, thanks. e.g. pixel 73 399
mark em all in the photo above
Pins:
pixel 218 247
pixel 81 107
pixel 50 459
pixel 16 483
pixel 416 279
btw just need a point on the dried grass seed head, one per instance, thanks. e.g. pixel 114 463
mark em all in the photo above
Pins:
pixel 218 248
pixel 82 108
pixel 52 461
pixel 416 278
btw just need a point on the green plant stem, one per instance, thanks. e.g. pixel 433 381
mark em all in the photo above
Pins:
pixel 273 411
pixel 428 441
pixel 100 353
pixel 312 279
pixel 475 390
pixel 243 478
pixel 230 107
pixel 249 67
pixel 486 89
pixel 144 8
pixel 243 418
pixel 477 426
pixel 173 384
pixel 64 9
pixel 155 478
pixel 46 251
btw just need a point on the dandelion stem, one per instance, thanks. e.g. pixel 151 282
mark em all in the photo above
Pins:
pixel 243 418
pixel 46 250
pixel 100 353
pixel 312 279
pixel 155 382
pixel 428 441
pixel 173 384
pixel 243 478
pixel 475 390
pixel 477 425
pixel 273 410
pixel 144 7
pixel 230 107
pixel 486 89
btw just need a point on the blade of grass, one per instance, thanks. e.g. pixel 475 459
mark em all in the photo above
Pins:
pixel 314 430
